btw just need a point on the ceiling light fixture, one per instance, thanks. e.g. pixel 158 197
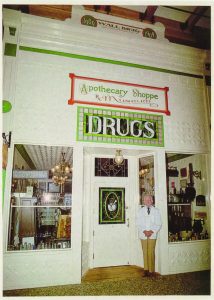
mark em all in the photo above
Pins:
pixel 118 157
pixel 144 171
pixel 61 171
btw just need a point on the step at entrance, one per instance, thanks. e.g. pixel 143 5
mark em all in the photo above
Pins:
pixel 119 272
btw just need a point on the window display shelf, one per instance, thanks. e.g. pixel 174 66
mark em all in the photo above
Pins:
pixel 171 204
pixel 190 241
pixel 39 206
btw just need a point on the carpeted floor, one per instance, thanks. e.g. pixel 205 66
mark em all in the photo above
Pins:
pixel 195 283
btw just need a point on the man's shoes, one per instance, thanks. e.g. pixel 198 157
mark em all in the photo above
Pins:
pixel 146 273
pixel 152 274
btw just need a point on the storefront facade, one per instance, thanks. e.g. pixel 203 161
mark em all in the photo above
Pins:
pixel 96 89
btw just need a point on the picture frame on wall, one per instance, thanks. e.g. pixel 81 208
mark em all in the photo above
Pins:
pixel 183 172
pixel 183 183
pixel 200 200
pixel 111 205
pixel 53 188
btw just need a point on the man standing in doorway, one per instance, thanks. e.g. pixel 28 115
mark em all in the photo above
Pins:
pixel 149 223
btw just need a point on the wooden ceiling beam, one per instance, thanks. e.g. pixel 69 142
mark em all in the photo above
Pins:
pixel 114 11
pixel 148 16
pixel 58 12
pixel 173 32
pixel 194 18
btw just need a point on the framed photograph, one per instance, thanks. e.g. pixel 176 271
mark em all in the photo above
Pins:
pixel 183 172
pixel 42 186
pixel 183 183
pixel 200 200
pixel 53 188
pixel 111 205
pixel 200 215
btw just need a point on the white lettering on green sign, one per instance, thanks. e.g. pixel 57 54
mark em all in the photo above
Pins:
pixel 120 127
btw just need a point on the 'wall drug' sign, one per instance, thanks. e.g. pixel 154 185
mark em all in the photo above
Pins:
pixel 102 92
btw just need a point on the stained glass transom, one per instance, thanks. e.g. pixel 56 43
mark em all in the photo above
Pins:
pixel 107 167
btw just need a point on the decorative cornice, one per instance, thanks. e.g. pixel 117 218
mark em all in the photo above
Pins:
pixel 70 37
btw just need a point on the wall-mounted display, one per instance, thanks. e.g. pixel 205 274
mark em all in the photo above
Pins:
pixel 111 205
pixel 183 183
pixel 183 172
pixel 200 200
pixel 53 188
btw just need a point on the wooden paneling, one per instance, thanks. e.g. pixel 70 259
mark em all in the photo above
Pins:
pixel 59 12
pixel 121 272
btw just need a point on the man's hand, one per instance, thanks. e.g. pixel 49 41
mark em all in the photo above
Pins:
pixel 148 233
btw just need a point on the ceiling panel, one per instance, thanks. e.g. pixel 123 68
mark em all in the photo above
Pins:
pixel 139 8
pixel 172 14
pixel 46 157
pixel 203 22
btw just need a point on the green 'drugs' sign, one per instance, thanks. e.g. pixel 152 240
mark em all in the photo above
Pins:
pixel 119 127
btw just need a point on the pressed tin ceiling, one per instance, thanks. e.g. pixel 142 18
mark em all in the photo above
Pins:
pixel 44 157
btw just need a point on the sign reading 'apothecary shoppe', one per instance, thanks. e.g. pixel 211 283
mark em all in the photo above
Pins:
pixel 102 92
pixel 119 127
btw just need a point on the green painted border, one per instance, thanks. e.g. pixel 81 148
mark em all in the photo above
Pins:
pixel 4 173
pixel 119 143
pixel 25 156
pixel 105 60
pixel 122 189
pixel 10 49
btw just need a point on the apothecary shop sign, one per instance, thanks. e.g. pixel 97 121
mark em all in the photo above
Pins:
pixel 103 125
pixel 102 92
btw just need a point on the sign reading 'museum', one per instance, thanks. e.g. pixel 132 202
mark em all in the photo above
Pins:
pixel 102 92
pixel 113 126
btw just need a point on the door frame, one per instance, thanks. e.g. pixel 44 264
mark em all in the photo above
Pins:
pixel 99 180
pixel 133 166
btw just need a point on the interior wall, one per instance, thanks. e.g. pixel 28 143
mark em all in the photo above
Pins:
pixel 19 162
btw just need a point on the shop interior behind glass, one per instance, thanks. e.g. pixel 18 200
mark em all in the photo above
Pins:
pixel 41 198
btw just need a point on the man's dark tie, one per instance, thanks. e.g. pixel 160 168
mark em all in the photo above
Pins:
pixel 148 210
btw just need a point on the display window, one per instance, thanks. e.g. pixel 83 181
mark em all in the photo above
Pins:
pixel 188 197
pixel 41 198
pixel 146 178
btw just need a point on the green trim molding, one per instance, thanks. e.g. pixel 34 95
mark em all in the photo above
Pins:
pixel 3 185
pixel 105 60
pixel 10 49
pixel 25 156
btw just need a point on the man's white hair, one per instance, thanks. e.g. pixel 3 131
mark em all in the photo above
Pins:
pixel 148 196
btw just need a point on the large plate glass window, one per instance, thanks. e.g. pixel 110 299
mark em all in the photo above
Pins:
pixel 188 197
pixel 40 207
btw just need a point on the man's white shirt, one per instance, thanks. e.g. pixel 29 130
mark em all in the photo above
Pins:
pixel 151 221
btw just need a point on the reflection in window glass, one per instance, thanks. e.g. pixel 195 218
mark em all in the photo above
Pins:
pixel 188 197
pixel 40 210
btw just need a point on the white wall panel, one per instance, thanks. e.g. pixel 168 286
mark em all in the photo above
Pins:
pixel 189 256
pixel 43 89
pixel 38 268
